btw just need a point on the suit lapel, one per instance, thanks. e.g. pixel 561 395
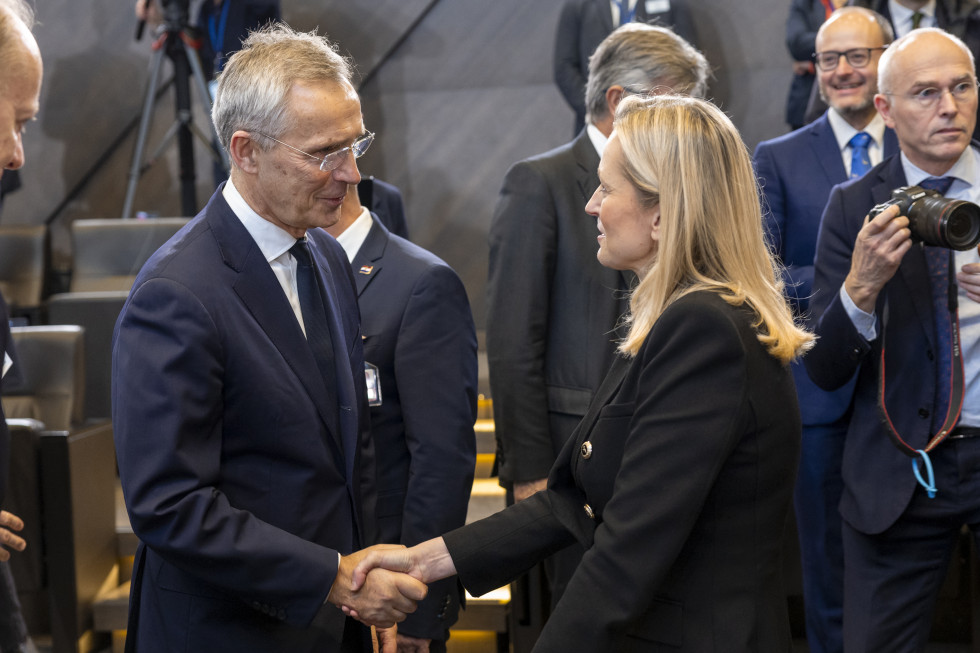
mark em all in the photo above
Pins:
pixel 262 295
pixel 369 259
pixel 826 150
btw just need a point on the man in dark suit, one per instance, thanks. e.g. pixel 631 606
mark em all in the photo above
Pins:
pixel 385 201
pixel 886 309
pixel 20 90
pixel 552 308
pixel 584 23
pixel 238 383
pixel 796 173
pixel 420 346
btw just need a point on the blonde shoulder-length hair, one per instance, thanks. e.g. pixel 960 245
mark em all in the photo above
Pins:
pixel 686 155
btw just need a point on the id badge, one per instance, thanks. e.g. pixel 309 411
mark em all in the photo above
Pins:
pixel 373 379
pixel 657 6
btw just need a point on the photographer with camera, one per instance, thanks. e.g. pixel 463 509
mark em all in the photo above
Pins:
pixel 896 306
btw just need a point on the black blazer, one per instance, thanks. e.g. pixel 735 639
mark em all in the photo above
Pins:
pixel 552 309
pixel 419 333
pixel 678 482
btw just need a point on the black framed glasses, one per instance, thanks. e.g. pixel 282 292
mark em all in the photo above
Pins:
pixel 856 57
pixel 334 159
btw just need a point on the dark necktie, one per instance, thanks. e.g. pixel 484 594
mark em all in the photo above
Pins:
pixel 937 258
pixel 860 159
pixel 625 15
pixel 315 316
pixel 917 19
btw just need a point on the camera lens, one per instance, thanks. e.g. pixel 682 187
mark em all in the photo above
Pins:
pixel 961 226
pixel 937 221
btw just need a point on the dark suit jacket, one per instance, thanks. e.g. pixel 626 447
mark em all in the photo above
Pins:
pixel 6 345
pixel 582 26
pixel 797 172
pixel 419 333
pixel 243 16
pixel 805 18
pixel 692 452
pixel 551 307
pixel 385 202
pixel 878 480
pixel 240 491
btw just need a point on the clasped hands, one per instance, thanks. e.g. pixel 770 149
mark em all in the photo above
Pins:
pixel 382 584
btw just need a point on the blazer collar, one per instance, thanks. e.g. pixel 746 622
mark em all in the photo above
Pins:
pixel 260 292
pixel 367 262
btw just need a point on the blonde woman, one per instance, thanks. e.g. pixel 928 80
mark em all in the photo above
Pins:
pixel 679 478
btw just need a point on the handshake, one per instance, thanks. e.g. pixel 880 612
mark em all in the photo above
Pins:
pixel 382 584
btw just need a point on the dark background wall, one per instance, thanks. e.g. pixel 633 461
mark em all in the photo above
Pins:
pixel 456 90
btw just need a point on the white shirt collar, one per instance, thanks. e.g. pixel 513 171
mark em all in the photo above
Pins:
pixel 843 131
pixel 273 241
pixel 598 139
pixel 354 236
pixel 966 172
pixel 902 16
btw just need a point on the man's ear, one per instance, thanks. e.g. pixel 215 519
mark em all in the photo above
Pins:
pixel 614 95
pixel 242 151
pixel 883 106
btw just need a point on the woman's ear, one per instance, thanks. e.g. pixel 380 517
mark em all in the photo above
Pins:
pixel 655 222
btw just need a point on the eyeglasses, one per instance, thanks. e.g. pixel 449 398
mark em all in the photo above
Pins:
pixel 856 58
pixel 334 159
pixel 929 97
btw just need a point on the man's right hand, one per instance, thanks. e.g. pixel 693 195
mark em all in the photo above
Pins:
pixel 384 598
pixel 524 489
pixel 878 251
pixel 10 522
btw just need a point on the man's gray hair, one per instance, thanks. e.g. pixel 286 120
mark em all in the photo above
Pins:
pixel 642 58
pixel 253 86
pixel 20 9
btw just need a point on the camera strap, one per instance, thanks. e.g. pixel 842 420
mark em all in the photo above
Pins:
pixel 955 403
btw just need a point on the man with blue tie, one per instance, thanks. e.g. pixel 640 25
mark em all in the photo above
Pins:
pixel 886 308
pixel 238 397
pixel 796 173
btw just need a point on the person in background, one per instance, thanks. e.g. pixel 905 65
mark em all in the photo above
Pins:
pixel 582 26
pixel 796 173
pixel 886 308
pixel 552 309
pixel 805 18
pixel 420 350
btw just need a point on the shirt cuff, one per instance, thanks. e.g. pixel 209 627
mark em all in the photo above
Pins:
pixel 865 323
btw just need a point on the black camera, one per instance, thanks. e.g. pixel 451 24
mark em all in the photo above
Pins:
pixel 935 220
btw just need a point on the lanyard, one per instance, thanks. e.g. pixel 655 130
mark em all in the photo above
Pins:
pixel 217 34
pixel 624 15
pixel 956 390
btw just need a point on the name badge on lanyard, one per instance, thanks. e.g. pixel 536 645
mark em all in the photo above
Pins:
pixel 656 6
pixel 373 379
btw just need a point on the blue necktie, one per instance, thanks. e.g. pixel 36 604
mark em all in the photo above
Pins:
pixel 625 15
pixel 314 316
pixel 937 259
pixel 860 160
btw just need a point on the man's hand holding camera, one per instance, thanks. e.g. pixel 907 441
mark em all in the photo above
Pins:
pixel 968 278
pixel 878 251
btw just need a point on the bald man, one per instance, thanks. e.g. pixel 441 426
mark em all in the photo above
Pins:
pixel 886 311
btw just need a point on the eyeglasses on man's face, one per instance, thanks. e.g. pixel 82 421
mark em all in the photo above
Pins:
pixel 856 58
pixel 333 160
pixel 929 97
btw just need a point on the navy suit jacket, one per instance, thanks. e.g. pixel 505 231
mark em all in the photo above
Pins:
pixel 419 333
pixel 878 480
pixel 797 172
pixel 243 479
pixel 385 201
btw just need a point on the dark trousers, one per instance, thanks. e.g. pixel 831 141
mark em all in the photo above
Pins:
pixel 816 498
pixel 892 579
